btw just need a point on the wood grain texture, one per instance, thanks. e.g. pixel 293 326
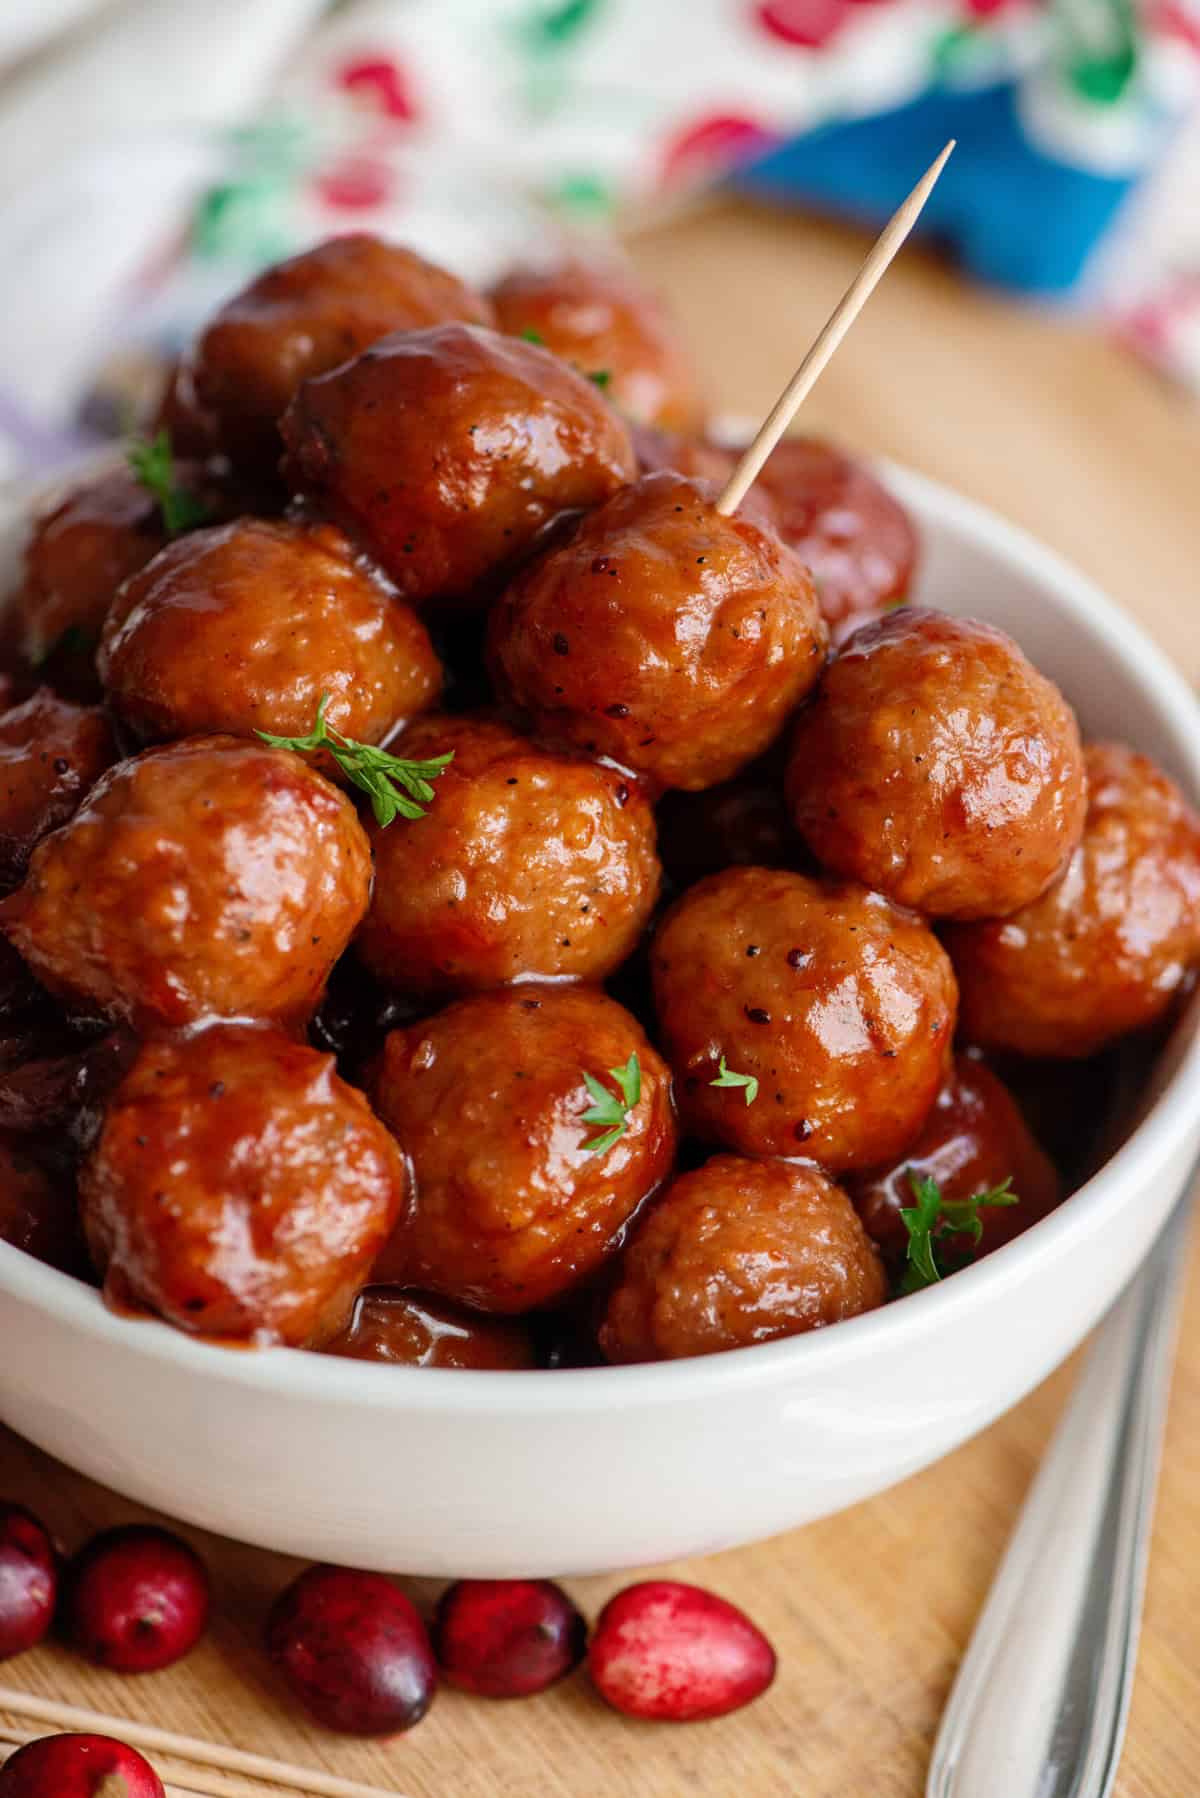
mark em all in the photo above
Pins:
pixel 870 1610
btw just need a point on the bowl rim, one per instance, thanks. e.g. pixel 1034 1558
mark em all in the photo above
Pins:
pixel 300 1374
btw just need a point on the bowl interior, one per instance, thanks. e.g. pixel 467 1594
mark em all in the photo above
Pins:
pixel 1121 685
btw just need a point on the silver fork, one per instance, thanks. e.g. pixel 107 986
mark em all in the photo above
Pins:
pixel 1039 1707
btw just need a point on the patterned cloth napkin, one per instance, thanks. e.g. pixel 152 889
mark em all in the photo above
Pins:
pixel 151 161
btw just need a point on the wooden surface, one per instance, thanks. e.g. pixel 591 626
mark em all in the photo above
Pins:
pixel 869 1611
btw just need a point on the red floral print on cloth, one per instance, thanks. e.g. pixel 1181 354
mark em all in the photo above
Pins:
pixel 705 147
pixel 804 24
pixel 381 84
pixel 356 183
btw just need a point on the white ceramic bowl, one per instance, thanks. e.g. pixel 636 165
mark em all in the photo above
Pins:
pixel 444 1472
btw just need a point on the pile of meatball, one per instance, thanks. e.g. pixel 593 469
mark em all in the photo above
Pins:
pixel 747 891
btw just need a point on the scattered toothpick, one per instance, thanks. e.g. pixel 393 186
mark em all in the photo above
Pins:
pixel 843 316
pixel 213 1771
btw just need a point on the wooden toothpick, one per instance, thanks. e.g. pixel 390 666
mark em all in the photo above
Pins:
pixel 225 1763
pixel 839 322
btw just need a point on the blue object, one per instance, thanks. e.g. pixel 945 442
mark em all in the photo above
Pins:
pixel 1011 214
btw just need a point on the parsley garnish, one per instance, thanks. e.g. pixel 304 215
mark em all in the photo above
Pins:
pixel 529 335
pixel 395 785
pixel 601 376
pixel 727 1077
pixel 608 1109
pixel 933 1221
pixel 154 465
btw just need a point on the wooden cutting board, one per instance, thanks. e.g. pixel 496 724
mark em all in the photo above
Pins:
pixel 869 1611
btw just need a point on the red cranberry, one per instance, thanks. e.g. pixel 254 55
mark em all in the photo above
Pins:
pixel 28 1581
pixel 135 1599
pixel 507 1638
pixel 78 1767
pixel 353 1650
pixel 677 1654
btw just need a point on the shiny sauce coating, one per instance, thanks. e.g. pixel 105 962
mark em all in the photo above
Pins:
pixel 239 1188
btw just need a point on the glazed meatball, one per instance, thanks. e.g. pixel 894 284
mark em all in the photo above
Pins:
pixel 1108 947
pixel 56 1089
pixel 837 1003
pixel 244 627
pixel 528 862
pixel 518 1196
pixel 663 634
pixel 410 1330
pixel 191 429
pixel 239 1188
pixel 599 317
pixel 38 1212
pixel 702 460
pixel 303 317
pixel 938 766
pixel 78 555
pixel 449 450
pixel 209 878
pixel 51 753
pixel 740 1252
pixel 973 1140
pixel 844 525
pixel 741 822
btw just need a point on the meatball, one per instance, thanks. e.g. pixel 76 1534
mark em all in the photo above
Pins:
pixel 740 1252
pixel 742 821
pixel 518 1196
pixel 700 459
pixel 1108 947
pixel 239 1188
pixel 973 1140
pixel 599 317
pixel 450 450
pixel 844 525
pixel 529 862
pixel 244 627
pixel 938 766
pixel 37 1207
pixel 209 878
pixel 410 1330
pixel 303 317
pixel 79 553
pixel 838 1004
pixel 663 634
pixel 191 429
pixel 51 753
pixel 60 1079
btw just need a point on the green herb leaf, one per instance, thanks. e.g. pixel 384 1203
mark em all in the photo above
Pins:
pixel 601 376
pixel 529 335
pixel 609 1110
pixel 398 788
pixel 727 1077
pixel 154 465
pixel 933 1223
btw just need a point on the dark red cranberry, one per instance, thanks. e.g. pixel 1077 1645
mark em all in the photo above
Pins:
pixel 507 1638
pixel 135 1599
pixel 78 1767
pixel 354 1651
pixel 675 1653
pixel 28 1581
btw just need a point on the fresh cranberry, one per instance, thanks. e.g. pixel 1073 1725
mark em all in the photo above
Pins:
pixel 677 1654
pixel 507 1638
pixel 353 1650
pixel 28 1581
pixel 135 1599
pixel 78 1767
